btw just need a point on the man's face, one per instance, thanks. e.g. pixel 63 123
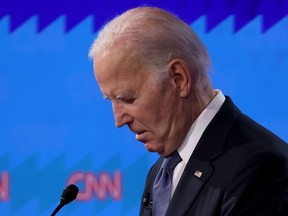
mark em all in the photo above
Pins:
pixel 148 108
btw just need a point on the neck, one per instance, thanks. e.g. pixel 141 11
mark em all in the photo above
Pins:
pixel 187 113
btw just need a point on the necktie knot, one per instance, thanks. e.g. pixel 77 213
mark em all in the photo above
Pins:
pixel 171 161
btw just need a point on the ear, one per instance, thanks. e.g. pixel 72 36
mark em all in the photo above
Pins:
pixel 180 74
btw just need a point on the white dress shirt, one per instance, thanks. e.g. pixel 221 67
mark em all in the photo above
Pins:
pixel 194 134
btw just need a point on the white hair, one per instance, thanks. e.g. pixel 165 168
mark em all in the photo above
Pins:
pixel 158 37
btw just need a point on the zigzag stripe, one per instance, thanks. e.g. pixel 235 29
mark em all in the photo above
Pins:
pixel 190 10
pixel 39 181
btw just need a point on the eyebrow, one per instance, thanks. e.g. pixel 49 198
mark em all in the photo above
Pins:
pixel 119 97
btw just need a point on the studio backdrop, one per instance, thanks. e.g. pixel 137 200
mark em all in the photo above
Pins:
pixel 55 127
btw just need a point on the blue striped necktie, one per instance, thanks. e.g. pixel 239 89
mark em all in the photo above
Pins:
pixel 162 184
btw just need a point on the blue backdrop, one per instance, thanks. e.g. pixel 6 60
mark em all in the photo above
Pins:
pixel 56 129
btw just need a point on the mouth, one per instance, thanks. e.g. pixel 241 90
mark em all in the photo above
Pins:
pixel 140 135
pixel 136 131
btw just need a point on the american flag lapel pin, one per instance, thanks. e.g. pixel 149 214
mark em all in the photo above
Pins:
pixel 198 174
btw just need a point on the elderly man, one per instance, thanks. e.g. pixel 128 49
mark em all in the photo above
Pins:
pixel 214 160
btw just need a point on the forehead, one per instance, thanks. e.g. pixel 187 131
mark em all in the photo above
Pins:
pixel 119 61
pixel 119 71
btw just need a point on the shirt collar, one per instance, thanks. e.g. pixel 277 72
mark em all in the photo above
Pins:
pixel 199 125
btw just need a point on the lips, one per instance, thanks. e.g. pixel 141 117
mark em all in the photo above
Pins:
pixel 136 131
pixel 139 135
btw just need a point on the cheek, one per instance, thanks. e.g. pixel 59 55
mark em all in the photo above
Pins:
pixel 147 116
pixel 155 108
pixel 164 106
pixel 156 117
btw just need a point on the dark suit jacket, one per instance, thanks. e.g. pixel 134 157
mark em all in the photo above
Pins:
pixel 244 171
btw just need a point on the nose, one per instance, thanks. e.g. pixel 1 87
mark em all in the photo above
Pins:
pixel 121 116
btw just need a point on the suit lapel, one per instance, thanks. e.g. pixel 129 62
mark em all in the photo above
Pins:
pixel 199 168
pixel 190 184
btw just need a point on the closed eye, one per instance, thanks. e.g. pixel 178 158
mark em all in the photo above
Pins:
pixel 128 100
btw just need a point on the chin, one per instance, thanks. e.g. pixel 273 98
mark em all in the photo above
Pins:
pixel 152 147
pixel 149 147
